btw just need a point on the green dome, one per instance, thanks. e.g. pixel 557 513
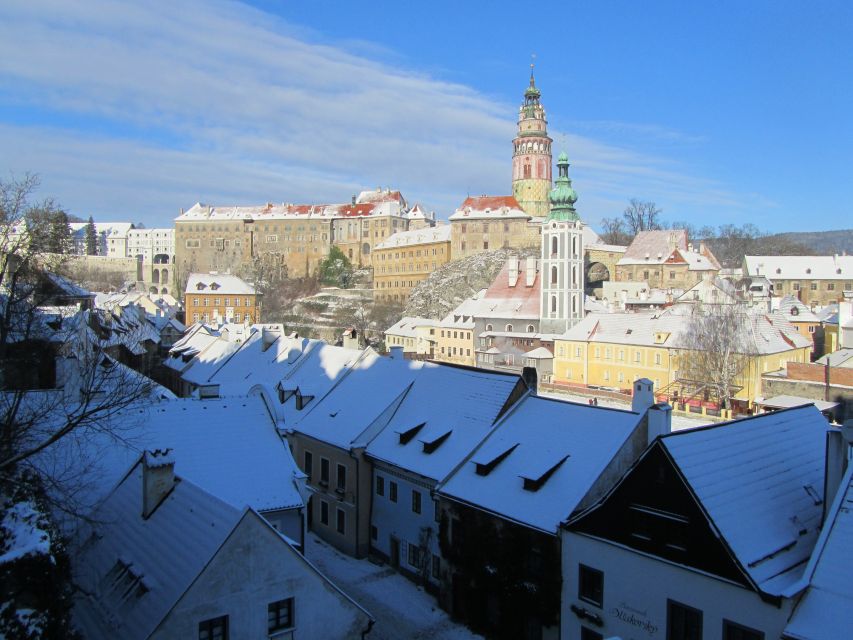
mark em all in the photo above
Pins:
pixel 562 195
pixel 563 157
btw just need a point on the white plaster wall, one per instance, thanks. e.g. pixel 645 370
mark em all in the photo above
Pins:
pixel 252 569
pixel 398 519
pixel 638 586
pixel 288 521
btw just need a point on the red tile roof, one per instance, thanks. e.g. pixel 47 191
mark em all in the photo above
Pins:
pixel 490 202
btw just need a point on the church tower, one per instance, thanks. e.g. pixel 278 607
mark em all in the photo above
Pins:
pixel 531 157
pixel 562 299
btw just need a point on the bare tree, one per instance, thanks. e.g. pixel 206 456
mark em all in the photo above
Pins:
pixel 59 368
pixel 613 231
pixel 718 346
pixel 641 216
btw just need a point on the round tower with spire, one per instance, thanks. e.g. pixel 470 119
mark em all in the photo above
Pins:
pixel 531 157
pixel 562 299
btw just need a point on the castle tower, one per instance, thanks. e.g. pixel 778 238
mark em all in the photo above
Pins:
pixel 562 303
pixel 531 157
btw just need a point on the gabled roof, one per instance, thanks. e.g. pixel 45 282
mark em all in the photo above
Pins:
pixel 230 448
pixel 416 237
pixel 793 310
pixel 476 207
pixel 160 556
pixel 407 326
pixel 654 247
pixel 217 284
pixel 534 437
pixel 800 267
pixel 840 358
pixel 756 479
pixel 456 407
pixel 824 610
pixel 342 416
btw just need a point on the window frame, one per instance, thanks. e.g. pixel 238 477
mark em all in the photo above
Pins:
pixel 670 605
pixel 392 491
pixel 585 573
pixel 416 501
pixel 341 521
pixel 308 463
pixel 380 486
pixel 276 608
pixel 209 626
pixel 324 512
pixel 729 626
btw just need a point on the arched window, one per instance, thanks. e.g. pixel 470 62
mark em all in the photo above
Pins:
pixel 575 247
pixel 574 304
pixel 531 329
pixel 508 328
pixel 553 304
pixel 553 275
pixel 155 277
pixel 164 276
pixel 488 327
pixel 553 246
pixel 574 276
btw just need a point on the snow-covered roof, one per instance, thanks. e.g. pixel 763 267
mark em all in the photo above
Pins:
pixel 824 610
pixel 162 555
pixel 230 448
pixel 786 402
pixel 387 204
pixel 800 267
pixel 756 480
pixel 539 353
pixel 417 213
pixel 513 294
pixel 462 317
pixel 489 207
pixel 600 246
pixel 110 229
pixel 416 237
pixel 654 247
pixel 795 311
pixel 358 398
pixel 539 435
pixel 217 284
pixel 840 358
pixel 407 327
pixel 766 333
pixel 444 414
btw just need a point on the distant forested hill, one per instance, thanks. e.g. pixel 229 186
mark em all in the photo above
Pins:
pixel 820 242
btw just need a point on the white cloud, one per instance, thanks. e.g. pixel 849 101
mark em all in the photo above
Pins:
pixel 244 108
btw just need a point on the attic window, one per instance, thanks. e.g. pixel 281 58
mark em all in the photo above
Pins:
pixel 302 401
pixel 808 270
pixel 215 286
pixel 838 271
pixel 121 583
pixel 201 286
pixel 779 270
pixel 628 332
pixel 432 445
pixel 534 484
pixel 485 468
pixel 406 436
pixel 284 394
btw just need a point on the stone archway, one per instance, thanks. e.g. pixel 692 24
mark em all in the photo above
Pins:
pixel 596 273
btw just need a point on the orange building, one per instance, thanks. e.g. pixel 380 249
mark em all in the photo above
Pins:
pixel 219 297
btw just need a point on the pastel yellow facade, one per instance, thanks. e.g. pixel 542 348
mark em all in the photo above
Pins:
pixel 399 269
pixel 617 366
pixel 456 346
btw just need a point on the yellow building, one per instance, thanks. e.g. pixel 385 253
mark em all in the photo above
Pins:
pixel 417 336
pixel 612 350
pixel 406 258
pixel 216 297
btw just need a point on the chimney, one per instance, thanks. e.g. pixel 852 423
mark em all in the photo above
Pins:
pixel 531 378
pixel 644 396
pixel 513 271
pixel 268 336
pixel 353 199
pixel 659 421
pixel 396 352
pixel 158 478
pixel 530 271
pixel 838 442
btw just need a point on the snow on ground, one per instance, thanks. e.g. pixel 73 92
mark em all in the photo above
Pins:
pixel 403 611
pixel 679 422
pixel 24 535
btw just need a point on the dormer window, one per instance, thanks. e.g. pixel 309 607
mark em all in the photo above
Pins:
pixel 406 436
pixel 534 484
pixel 779 270
pixel 201 286
pixel 485 468
pixel 432 445
pixel 808 270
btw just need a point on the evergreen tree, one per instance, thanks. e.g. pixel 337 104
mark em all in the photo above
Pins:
pixel 336 269
pixel 91 238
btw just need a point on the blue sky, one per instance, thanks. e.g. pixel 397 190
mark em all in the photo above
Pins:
pixel 719 112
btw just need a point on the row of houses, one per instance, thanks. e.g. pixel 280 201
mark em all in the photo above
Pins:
pixel 527 516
